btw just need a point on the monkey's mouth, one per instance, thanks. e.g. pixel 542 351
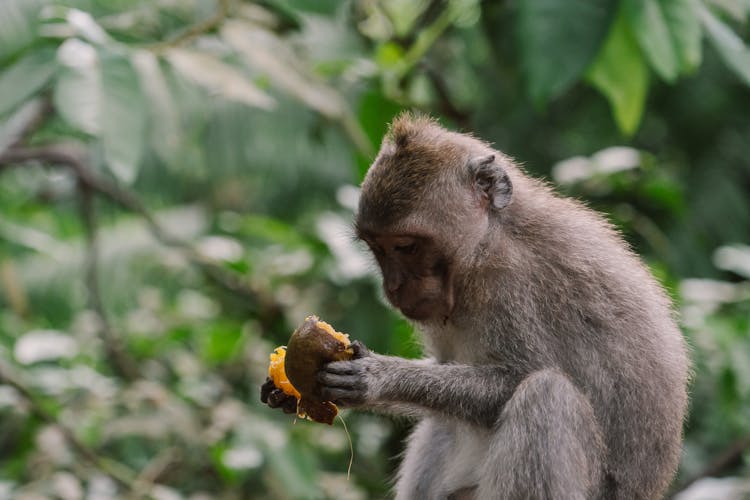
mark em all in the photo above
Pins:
pixel 421 310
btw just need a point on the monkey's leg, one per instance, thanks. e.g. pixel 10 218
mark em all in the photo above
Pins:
pixel 422 467
pixel 547 445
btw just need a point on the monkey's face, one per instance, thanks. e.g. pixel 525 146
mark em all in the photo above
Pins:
pixel 417 276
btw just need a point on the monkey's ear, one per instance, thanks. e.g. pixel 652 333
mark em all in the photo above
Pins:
pixel 491 181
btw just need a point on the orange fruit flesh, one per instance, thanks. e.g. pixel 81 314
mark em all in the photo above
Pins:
pixel 277 373
pixel 341 337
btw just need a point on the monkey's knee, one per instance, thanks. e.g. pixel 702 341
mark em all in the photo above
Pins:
pixel 548 443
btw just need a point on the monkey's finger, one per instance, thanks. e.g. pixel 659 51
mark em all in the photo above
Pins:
pixel 360 350
pixel 290 405
pixel 277 398
pixel 333 380
pixel 266 389
pixel 343 397
pixel 342 368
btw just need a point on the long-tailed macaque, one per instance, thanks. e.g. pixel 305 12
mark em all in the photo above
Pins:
pixel 555 368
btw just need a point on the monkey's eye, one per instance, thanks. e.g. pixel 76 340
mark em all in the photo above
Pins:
pixel 375 249
pixel 409 249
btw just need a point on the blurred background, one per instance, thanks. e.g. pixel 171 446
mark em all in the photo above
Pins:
pixel 177 181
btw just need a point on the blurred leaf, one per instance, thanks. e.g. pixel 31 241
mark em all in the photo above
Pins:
pixel 26 77
pixel 165 131
pixel 264 51
pixel 730 47
pixel 294 472
pixel 86 26
pixel 737 9
pixel 404 14
pixel 389 55
pixel 18 25
pixel 222 342
pixel 43 345
pixel 123 117
pixel 685 28
pixel 558 41
pixel 375 113
pixel 648 23
pixel 318 6
pixel 620 73
pixel 273 230
pixel 218 77
pixel 404 341
pixel 664 192
pixel 77 92
pixel 735 258
pixel 669 34
pixel 15 124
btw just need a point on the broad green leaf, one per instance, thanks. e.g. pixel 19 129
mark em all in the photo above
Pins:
pixel 25 78
pixel 730 47
pixel 375 113
pixel 264 51
pixel 86 26
pixel 123 117
pixel 219 77
pixel 668 33
pixel 647 21
pixel 403 14
pixel 736 9
pixel 686 31
pixel 165 132
pixel 12 129
pixel 317 6
pixel 558 41
pixel 18 25
pixel 77 92
pixel 620 73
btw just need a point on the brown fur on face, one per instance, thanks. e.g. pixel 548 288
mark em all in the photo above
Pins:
pixel 416 161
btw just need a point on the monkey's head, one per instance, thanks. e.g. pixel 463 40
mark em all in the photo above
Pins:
pixel 426 205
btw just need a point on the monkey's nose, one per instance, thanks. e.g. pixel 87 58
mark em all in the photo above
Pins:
pixel 392 280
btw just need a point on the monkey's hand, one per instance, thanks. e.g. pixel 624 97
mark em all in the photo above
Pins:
pixel 475 393
pixel 351 383
pixel 276 398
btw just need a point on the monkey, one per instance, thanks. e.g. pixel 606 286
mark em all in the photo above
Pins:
pixel 554 366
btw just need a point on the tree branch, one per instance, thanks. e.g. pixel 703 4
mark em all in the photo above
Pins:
pixel 121 360
pixel 196 30
pixel 153 471
pixel 74 158
pixel 25 121
pixel 447 107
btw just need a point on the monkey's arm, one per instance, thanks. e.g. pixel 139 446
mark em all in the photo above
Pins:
pixel 473 393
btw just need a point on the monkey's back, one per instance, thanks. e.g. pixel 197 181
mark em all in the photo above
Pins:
pixel 602 318
pixel 561 289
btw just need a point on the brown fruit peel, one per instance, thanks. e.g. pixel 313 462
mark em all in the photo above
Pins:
pixel 294 369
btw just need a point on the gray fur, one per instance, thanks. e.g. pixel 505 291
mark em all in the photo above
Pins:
pixel 557 371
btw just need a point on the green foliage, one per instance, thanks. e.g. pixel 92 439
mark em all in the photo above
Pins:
pixel 221 141
pixel 25 78
pixel 730 47
pixel 555 50
pixel 123 117
pixel 620 73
